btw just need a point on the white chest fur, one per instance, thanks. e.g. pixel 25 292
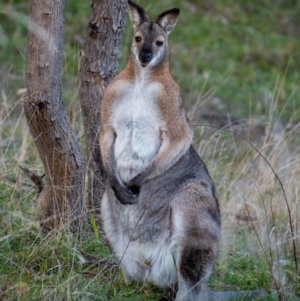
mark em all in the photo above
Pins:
pixel 137 125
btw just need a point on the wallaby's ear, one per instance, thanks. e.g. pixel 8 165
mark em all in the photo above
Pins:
pixel 168 19
pixel 137 14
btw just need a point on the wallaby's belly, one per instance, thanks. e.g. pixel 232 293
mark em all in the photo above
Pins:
pixel 144 243
pixel 137 137
pixel 151 262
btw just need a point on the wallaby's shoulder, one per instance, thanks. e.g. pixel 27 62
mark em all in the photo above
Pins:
pixel 166 80
pixel 116 89
pixel 123 79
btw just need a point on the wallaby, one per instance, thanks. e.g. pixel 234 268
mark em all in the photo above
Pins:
pixel 159 210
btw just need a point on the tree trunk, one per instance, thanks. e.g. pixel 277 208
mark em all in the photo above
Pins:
pixel 57 144
pixel 98 65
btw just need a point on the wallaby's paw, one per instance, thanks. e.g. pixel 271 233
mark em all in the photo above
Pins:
pixel 125 196
pixel 122 193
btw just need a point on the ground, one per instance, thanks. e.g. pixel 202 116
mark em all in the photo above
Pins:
pixel 237 63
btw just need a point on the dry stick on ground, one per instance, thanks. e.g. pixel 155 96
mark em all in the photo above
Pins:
pixel 56 142
pixel 97 66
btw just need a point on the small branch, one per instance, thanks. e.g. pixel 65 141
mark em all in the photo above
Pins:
pixel 37 180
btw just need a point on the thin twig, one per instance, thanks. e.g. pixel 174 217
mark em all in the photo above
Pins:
pixel 269 241
pixel 37 180
pixel 265 253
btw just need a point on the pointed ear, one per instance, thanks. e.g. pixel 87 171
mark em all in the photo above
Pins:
pixel 168 19
pixel 137 14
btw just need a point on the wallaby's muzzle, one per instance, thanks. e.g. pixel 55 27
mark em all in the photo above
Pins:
pixel 145 56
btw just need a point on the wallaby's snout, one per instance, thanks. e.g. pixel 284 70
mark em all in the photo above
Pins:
pixel 145 55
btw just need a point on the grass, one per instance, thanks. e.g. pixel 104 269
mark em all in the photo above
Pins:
pixel 235 58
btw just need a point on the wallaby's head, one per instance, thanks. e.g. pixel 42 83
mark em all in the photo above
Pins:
pixel 150 45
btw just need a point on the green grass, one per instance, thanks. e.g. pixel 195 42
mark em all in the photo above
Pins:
pixel 60 266
pixel 242 58
pixel 238 50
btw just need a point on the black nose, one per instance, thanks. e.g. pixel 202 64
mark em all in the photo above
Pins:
pixel 145 57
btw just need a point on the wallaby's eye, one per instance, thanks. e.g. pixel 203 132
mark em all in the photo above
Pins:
pixel 159 43
pixel 138 39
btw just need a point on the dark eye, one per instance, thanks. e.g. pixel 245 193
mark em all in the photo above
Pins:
pixel 159 43
pixel 138 39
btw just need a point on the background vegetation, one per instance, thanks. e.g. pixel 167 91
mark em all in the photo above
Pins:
pixel 238 65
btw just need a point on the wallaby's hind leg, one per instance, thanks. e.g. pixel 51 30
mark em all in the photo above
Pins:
pixel 197 229
pixel 194 270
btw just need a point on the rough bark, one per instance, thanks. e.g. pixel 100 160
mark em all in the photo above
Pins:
pixel 97 66
pixel 56 142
